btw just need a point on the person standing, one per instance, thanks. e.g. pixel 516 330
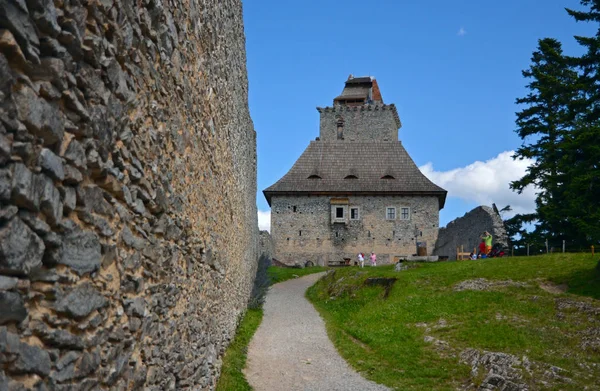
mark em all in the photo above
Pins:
pixel 487 238
pixel 373 259
pixel 361 260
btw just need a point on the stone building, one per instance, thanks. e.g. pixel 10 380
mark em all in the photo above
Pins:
pixel 355 188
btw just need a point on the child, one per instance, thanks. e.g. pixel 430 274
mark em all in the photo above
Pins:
pixel 482 247
pixel 361 259
pixel 373 259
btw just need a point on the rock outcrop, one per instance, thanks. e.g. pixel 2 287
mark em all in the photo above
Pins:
pixel 466 231
pixel 128 232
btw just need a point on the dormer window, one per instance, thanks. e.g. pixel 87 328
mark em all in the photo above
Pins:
pixel 388 176
pixel 351 176
pixel 314 176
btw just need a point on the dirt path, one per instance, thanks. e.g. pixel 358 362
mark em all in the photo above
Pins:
pixel 291 350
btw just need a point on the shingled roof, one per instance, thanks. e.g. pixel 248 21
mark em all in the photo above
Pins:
pixel 328 167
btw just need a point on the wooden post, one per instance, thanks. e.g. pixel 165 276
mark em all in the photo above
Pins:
pixel 592 250
pixel 512 251
pixel 546 246
pixel 563 246
pixel 527 249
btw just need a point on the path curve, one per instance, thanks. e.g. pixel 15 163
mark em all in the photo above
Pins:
pixel 291 350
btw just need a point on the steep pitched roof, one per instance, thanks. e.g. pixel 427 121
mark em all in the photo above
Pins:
pixel 358 167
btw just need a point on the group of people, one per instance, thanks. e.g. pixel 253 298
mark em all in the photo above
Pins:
pixel 372 258
pixel 485 246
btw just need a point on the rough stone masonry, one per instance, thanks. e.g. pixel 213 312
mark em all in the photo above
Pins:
pixel 128 232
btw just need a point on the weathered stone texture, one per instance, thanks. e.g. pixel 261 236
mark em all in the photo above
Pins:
pixel 466 231
pixel 303 229
pixel 128 232
pixel 365 122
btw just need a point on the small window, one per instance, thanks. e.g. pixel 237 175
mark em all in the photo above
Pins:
pixel 351 177
pixel 405 213
pixel 387 177
pixel 354 214
pixel 294 208
pixel 339 212
pixel 314 176
pixel 390 214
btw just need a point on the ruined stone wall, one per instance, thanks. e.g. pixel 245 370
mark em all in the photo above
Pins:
pixel 128 232
pixel 302 230
pixel 366 122
pixel 466 231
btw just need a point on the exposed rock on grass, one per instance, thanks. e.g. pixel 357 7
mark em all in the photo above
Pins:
pixel 483 284
pixel 554 288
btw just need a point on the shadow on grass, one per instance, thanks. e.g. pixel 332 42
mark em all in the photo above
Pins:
pixel 584 282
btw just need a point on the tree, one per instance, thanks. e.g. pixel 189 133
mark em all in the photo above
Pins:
pixel 584 147
pixel 560 129
pixel 544 126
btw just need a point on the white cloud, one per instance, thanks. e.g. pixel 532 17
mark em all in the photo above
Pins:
pixel 487 182
pixel 264 220
pixel 461 32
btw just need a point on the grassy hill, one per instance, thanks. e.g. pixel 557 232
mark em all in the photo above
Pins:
pixel 513 323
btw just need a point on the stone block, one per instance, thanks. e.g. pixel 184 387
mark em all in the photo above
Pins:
pixel 15 17
pixel 69 198
pixel 5 149
pixel 7 213
pixel 8 283
pixel 75 154
pixel 20 248
pixel 50 203
pixel 12 307
pixel 80 250
pixel 41 118
pixel 24 192
pixel 92 198
pixel 72 175
pixel 81 301
pixel 52 164
pixel 24 358
pixel 5 184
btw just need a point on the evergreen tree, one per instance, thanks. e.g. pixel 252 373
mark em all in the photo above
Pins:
pixel 544 125
pixel 584 147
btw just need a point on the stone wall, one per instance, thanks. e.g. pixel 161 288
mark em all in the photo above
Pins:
pixel 128 232
pixel 266 244
pixel 367 122
pixel 303 230
pixel 466 231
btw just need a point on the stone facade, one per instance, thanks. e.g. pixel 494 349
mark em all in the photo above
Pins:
pixel 128 232
pixel 304 230
pixel 466 231
pixel 367 122
pixel 334 201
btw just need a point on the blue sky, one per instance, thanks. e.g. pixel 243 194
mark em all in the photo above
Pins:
pixel 453 69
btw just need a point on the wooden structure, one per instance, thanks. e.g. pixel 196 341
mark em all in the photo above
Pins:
pixel 461 254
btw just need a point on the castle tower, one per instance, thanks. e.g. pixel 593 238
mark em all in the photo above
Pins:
pixel 362 113
pixel 355 188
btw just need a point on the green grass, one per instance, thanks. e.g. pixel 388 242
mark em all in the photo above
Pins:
pixel 280 274
pixel 234 360
pixel 383 338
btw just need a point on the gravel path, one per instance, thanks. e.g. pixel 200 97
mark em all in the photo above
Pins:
pixel 291 350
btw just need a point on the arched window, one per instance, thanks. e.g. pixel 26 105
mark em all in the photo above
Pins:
pixel 351 176
pixel 314 176
pixel 387 176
